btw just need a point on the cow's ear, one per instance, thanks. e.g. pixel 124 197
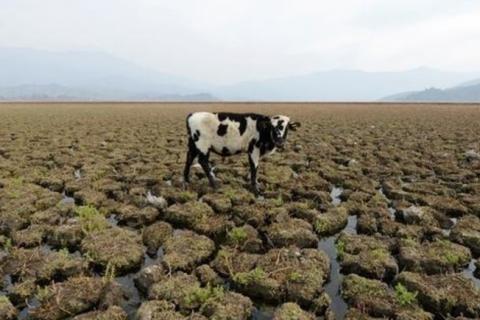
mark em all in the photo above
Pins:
pixel 293 126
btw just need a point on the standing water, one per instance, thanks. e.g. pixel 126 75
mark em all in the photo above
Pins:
pixel 335 195
pixel 391 210
pixel 468 273
pixel 66 199
pixel 338 305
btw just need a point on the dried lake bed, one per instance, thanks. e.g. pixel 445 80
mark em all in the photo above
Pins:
pixel 372 211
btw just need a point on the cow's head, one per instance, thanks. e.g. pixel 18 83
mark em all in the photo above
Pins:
pixel 280 126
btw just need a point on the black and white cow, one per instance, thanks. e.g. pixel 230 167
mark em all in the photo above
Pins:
pixel 232 133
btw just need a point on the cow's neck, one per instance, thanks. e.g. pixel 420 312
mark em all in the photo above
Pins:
pixel 266 143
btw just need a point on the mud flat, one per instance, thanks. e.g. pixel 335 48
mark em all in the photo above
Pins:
pixel 372 211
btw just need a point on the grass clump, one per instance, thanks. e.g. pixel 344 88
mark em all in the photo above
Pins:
pixel 230 193
pixel 43 293
pixel 7 245
pixel 278 201
pixel 91 219
pixel 201 295
pixel 110 273
pixel 237 235
pixel 64 253
pixel 245 278
pixel 405 297
pixel 340 245
pixel 295 276
pixel 451 258
pixel 185 196
pixel 320 226
pixel 379 254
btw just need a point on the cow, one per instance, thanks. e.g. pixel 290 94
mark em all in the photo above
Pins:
pixel 227 134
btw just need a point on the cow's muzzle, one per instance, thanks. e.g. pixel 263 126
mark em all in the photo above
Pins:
pixel 279 143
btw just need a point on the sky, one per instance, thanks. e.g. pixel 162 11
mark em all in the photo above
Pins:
pixel 224 41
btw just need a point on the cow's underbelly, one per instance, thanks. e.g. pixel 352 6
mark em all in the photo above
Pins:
pixel 228 147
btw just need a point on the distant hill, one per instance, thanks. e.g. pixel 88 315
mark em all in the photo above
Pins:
pixel 462 93
pixel 469 83
pixel 341 85
pixel 54 92
pixel 29 74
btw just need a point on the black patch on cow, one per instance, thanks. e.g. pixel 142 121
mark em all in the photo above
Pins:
pixel 243 126
pixel 222 116
pixel 196 136
pixel 280 124
pixel 225 151
pixel 222 129
pixel 265 142
pixel 241 118
pixel 266 147
pixel 285 134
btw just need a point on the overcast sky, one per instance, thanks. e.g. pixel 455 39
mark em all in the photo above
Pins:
pixel 222 41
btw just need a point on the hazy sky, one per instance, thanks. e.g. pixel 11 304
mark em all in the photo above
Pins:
pixel 224 41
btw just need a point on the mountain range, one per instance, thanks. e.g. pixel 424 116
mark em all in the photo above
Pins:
pixel 462 93
pixel 31 74
pixel 343 85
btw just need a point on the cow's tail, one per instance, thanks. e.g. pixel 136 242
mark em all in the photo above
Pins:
pixel 189 130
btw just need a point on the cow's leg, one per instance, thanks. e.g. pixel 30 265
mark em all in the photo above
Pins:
pixel 191 155
pixel 253 158
pixel 203 160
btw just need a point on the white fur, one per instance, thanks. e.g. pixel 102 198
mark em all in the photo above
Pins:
pixel 207 124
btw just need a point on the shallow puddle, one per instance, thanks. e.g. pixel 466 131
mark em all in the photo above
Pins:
pixel 78 174
pixel 392 212
pixel 446 232
pixel 66 199
pixel 6 283
pixel 454 221
pixel 351 225
pixel 391 209
pixel 133 300
pixel 112 219
pixel 31 304
pixel 263 312
pixel 468 273
pixel 327 245
pixel 338 305
pixel 335 195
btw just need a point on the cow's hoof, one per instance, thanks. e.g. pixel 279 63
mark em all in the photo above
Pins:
pixel 256 192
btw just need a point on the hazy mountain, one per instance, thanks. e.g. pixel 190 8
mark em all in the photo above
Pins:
pixel 341 85
pixel 469 83
pixel 54 92
pixel 462 93
pixel 29 74
pixel 84 75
